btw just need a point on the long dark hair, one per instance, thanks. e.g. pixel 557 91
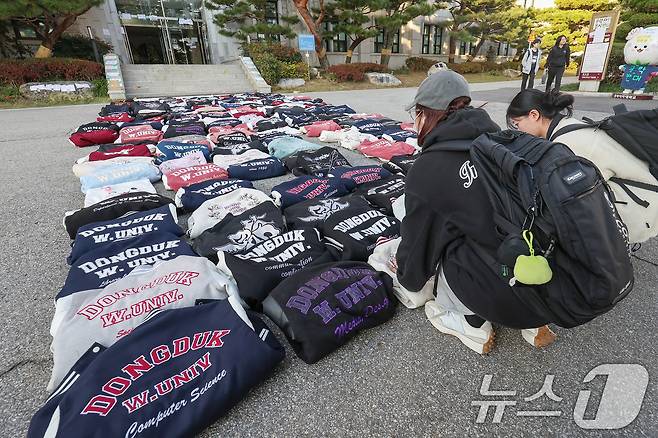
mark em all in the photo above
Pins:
pixel 433 117
pixel 548 104
pixel 559 38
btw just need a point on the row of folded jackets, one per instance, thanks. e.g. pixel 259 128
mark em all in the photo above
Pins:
pixel 159 331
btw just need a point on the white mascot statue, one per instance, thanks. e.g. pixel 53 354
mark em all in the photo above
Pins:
pixel 641 57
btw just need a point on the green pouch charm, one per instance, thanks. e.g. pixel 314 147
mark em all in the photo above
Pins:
pixel 532 269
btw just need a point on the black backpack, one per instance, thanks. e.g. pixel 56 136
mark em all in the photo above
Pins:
pixel 535 184
pixel 637 132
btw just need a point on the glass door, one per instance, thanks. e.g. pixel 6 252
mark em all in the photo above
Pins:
pixel 164 31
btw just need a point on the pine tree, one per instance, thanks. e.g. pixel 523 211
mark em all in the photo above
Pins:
pixel 248 19
pixel 48 18
pixel 352 18
pixel 637 13
pixel 396 13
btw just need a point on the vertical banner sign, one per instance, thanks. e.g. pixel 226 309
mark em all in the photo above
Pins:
pixel 601 34
pixel 115 87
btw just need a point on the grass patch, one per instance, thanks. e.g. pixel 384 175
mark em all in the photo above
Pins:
pixel 408 79
pixel 11 98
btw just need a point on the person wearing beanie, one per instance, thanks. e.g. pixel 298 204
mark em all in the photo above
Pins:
pixel 448 223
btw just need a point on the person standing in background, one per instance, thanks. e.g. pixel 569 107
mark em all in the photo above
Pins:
pixel 530 64
pixel 557 62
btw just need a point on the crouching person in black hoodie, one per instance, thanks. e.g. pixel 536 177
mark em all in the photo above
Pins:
pixel 448 216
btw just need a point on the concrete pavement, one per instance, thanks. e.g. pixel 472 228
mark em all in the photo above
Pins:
pixel 401 379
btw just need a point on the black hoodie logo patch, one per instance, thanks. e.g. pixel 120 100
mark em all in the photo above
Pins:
pixel 468 172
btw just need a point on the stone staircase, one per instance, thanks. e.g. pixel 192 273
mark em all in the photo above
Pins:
pixel 154 80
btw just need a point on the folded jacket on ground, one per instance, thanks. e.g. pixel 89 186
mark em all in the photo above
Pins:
pixel 313 213
pixel 138 150
pixel 348 138
pixel 180 372
pixel 118 173
pixel 258 270
pixel 238 233
pixel 102 267
pixel 232 139
pixel 314 129
pixel 307 187
pixel 139 133
pixel 191 159
pixel 257 169
pixel 169 150
pixel 93 236
pixel 400 163
pixel 383 193
pixel 94 133
pixel 267 124
pixel 113 108
pixel 191 197
pixel 384 260
pixel 99 194
pixel 111 209
pixel 196 139
pixel 106 315
pixel 191 128
pixel 249 154
pixel 352 177
pixel 186 176
pixel 317 163
pixel 281 147
pixel 121 117
pixel 90 167
pixel 353 235
pixel 324 306
pixel 214 210
pixel 300 119
pixel 398 134
pixel 384 149
pixel 369 126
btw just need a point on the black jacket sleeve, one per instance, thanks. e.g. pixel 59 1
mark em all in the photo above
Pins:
pixel 418 253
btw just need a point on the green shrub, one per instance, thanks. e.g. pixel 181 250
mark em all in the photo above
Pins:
pixel 279 51
pixel 20 71
pixel 294 70
pixel 354 72
pixel 416 63
pixel 613 74
pixel 100 87
pixel 269 67
pixel 423 64
pixel 79 47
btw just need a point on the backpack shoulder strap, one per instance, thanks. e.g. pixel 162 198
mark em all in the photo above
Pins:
pixel 570 128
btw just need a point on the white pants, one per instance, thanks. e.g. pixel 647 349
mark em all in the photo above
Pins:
pixel 446 298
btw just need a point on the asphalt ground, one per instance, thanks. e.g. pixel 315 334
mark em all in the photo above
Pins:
pixel 403 378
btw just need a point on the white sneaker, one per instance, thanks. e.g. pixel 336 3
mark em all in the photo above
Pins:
pixel 539 337
pixel 478 339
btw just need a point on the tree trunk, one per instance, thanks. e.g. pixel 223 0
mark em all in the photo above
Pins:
pixel 478 46
pixel 350 49
pixel 452 43
pixel 314 28
pixel 49 40
pixel 386 48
